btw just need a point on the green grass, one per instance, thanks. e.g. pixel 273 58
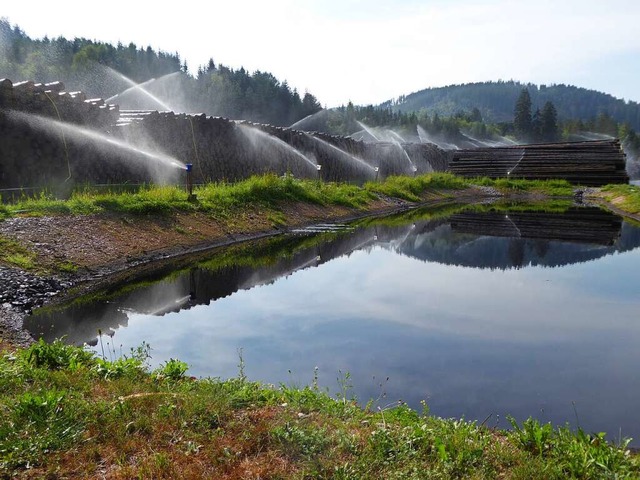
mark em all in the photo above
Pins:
pixel 13 253
pixel 215 198
pixel 223 199
pixel 546 187
pixel 66 412
pixel 628 195
pixel 411 188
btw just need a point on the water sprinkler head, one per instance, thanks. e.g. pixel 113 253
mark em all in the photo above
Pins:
pixel 189 167
pixel 375 169
pixel 318 167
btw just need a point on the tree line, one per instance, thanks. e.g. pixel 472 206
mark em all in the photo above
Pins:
pixel 496 100
pixel 93 67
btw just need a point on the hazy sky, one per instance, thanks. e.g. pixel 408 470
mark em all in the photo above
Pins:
pixel 371 51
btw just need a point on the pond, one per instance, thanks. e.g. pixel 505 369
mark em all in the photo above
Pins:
pixel 481 312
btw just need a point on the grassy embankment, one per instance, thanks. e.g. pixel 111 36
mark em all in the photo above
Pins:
pixel 222 199
pixel 625 197
pixel 69 414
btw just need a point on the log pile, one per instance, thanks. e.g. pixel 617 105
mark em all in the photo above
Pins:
pixel 578 225
pixel 592 163
pixel 51 100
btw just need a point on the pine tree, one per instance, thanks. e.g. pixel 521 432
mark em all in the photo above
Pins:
pixel 536 126
pixel 522 122
pixel 549 123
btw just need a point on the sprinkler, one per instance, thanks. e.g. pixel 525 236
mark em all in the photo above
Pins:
pixel 377 170
pixel 192 197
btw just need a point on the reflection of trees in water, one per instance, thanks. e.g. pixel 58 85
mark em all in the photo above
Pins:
pixel 516 252
pixel 237 268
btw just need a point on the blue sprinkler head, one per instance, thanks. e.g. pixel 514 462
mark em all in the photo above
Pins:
pixel 189 166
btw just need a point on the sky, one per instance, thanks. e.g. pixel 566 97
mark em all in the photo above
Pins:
pixel 371 51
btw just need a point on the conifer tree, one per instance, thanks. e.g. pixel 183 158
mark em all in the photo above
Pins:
pixel 549 123
pixel 522 122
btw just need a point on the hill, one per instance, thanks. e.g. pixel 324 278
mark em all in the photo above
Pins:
pixel 496 100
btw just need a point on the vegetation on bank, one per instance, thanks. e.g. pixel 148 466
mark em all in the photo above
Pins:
pixel 222 199
pixel 68 413
pixel 625 197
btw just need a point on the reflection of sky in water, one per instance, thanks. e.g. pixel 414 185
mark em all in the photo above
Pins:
pixel 470 341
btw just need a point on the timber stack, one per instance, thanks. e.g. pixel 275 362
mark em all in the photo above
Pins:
pixel 589 225
pixel 593 163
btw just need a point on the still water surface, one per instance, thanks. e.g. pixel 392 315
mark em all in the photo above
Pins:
pixel 477 313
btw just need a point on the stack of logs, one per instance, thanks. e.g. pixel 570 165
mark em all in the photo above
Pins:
pixel 578 224
pixel 51 100
pixel 593 163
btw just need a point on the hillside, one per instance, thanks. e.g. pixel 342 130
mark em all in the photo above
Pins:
pixel 104 70
pixel 496 100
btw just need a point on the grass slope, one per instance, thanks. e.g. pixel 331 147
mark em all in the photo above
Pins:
pixel 69 414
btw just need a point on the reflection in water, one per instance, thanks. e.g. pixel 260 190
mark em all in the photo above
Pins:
pixel 456 311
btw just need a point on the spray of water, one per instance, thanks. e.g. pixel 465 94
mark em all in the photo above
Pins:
pixel 412 166
pixel 426 138
pixel 255 133
pixel 74 132
pixel 522 152
pixel 170 306
pixel 514 226
pixel 344 155
pixel 369 131
pixel 142 88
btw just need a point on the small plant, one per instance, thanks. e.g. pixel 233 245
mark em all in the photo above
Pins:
pixel 121 367
pixel 532 436
pixel 14 253
pixel 298 441
pixel 67 267
pixel 56 355
pixel 171 370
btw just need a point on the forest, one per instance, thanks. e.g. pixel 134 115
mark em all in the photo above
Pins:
pixel 95 67
pixel 495 101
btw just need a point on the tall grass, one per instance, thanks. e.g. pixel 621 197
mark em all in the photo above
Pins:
pixel 547 187
pixel 411 188
pixel 266 190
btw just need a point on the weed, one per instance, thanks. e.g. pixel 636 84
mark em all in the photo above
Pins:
pixel 171 370
pixel 532 436
pixel 297 441
pixel 67 267
pixel 14 253
pixel 56 355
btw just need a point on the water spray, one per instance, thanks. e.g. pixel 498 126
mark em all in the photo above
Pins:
pixel 64 140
